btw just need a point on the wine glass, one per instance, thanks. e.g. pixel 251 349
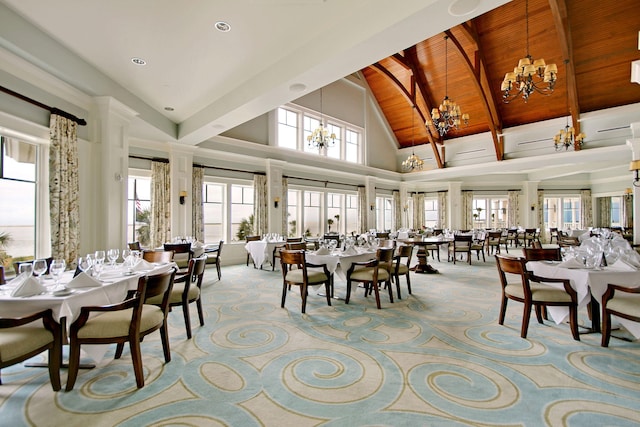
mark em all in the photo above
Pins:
pixel 113 255
pixel 57 269
pixel 25 268
pixel 97 266
pixel 84 263
pixel 100 255
pixel 39 268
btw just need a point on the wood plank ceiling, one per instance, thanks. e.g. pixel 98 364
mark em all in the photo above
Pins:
pixel 599 40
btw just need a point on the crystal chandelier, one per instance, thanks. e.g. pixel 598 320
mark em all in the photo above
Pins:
pixel 566 137
pixel 413 162
pixel 320 137
pixel 448 115
pixel 529 76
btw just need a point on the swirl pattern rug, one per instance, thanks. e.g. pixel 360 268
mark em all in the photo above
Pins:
pixel 436 357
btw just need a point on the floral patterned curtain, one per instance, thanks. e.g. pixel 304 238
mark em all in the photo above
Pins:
pixel 627 211
pixel 397 210
pixel 284 203
pixel 540 216
pixel 467 207
pixel 604 211
pixel 442 209
pixel 160 203
pixel 197 223
pixel 260 206
pixel 64 188
pixel 586 209
pixel 418 211
pixel 362 209
pixel 514 208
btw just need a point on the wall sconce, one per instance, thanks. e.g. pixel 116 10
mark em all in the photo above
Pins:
pixel 635 167
pixel 372 206
pixel 504 211
pixel 183 195
pixel 276 200
pixel 405 208
pixel 533 207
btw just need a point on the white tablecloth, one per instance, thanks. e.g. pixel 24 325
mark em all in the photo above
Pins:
pixel 587 283
pixel 261 250
pixel 339 263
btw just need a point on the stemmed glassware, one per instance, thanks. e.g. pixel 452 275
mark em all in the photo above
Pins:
pixel 39 268
pixel 26 268
pixel 57 269
pixel 100 255
pixel 97 266
pixel 84 263
pixel 113 255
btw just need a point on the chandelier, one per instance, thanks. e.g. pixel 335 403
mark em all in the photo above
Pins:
pixel 320 137
pixel 448 115
pixel 413 162
pixel 529 76
pixel 566 137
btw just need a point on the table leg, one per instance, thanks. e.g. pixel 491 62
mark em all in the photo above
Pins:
pixel 423 267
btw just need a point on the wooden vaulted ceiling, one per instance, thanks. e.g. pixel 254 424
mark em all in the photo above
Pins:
pixel 599 40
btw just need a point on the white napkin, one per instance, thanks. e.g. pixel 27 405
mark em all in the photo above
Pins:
pixel 28 288
pixel 623 265
pixel 18 280
pixel 143 265
pixel 572 263
pixel 351 251
pixel 83 280
pixel 196 245
pixel 323 251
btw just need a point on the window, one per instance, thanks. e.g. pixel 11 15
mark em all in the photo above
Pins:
pixel 616 211
pixel 431 213
pixel 241 211
pixel 351 214
pixel 334 213
pixel 295 124
pixel 490 212
pixel 213 212
pixel 139 207
pixel 18 170
pixel 293 217
pixel 562 212
pixel 227 210
pixel 306 219
pixel 384 213
pixel 312 215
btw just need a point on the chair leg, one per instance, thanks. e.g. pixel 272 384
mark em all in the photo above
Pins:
pixel 408 284
pixel 391 291
pixel 503 310
pixel 525 320
pixel 539 313
pixel 346 298
pixel 218 269
pixel 327 290
pixel 200 313
pixel 573 322
pixel 187 318
pixel 55 360
pixel 119 349
pixel 284 294
pixel 374 285
pixel 398 286
pixel 606 329
pixel 136 356
pixel 303 294
pixel 74 364
pixel 164 335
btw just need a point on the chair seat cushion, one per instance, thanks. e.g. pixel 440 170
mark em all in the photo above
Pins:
pixel 16 342
pixel 538 292
pixel 176 295
pixel 116 323
pixel 625 303
pixel 403 269
pixel 296 276
pixel 366 274
pixel 212 259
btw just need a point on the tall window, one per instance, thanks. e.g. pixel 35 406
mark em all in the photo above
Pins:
pixel 562 212
pixel 335 222
pixel 384 213
pixel 18 188
pixel 431 212
pixel 241 211
pixel 352 151
pixel 293 213
pixel 351 214
pixel 214 213
pixel 309 216
pixel 287 128
pixel 616 211
pixel 139 208
pixel 490 212
pixel 312 213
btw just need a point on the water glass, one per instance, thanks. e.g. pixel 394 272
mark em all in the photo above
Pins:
pixel 25 268
pixel 84 263
pixel 97 267
pixel 39 268
pixel 100 255
pixel 57 269
pixel 113 255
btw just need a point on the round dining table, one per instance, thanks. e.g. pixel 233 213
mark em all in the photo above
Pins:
pixel 423 266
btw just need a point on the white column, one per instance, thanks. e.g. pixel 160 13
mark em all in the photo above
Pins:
pixel 181 172
pixel 530 196
pixel 275 170
pixel 634 144
pixel 454 202
pixel 106 223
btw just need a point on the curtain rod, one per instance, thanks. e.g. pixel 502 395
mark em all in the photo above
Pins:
pixel 228 169
pixel 52 110
pixel 153 159
pixel 325 182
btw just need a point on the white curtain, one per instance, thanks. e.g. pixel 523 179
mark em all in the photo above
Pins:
pixel 362 209
pixel 418 211
pixel 160 203
pixel 467 207
pixel 397 210
pixel 604 211
pixel 513 208
pixel 284 205
pixel 586 209
pixel 260 205
pixel 64 188
pixel 442 209
pixel 540 216
pixel 197 222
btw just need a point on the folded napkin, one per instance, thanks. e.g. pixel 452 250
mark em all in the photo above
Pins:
pixel 323 251
pixel 18 280
pixel 111 274
pixel 83 280
pixel 572 263
pixel 196 245
pixel 350 251
pixel 143 265
pixel 28 288
pixel 623 265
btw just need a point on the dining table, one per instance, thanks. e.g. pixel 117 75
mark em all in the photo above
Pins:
pixel 590 284
pixel 339 261
pixel 423 266
pixel 262 250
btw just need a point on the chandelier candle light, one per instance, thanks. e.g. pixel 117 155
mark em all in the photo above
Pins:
pixel 530 75
pixel 413 162
pixel 566 137
pixel 320 138
pixel 448 115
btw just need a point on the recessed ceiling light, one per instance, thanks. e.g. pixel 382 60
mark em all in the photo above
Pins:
pixel 297 87
pixel 138 61
pixel 223 26
pixel 463 7
pixel 169 108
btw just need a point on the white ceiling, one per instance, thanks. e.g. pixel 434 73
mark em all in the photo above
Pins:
pixel 214 80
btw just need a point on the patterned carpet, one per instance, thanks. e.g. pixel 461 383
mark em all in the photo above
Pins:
pixel 437 357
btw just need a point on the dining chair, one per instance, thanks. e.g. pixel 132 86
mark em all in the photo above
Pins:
pixel 312 243
pixel 295 271
pixel 182 254
pixel 214 257
pixel 296 246
pixel 494 240
pixel 383 235
pixel 403 252
pixel 158 256
pixel 478 246
pixel 387 243
pixel 24 337
pixel 184 293
pixel 619 301
pixel 371 273
pixel 542 254
pixel 278 248
pixel 511 238
pixel 434 249
pixel 3 279
pixel 461 244
pixel 134 246
pixel 251 239
pixel 127 321
pixel 553 234
pixel 520 285
pixel 530 235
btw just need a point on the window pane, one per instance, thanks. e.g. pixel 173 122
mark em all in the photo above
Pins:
pixel 139 210
pixel 312 214
pixel 17 225
pixel 287 128
pixel 351 154
pixel 213 213
pixel 241 212
pixel 18 160
pixel 335 149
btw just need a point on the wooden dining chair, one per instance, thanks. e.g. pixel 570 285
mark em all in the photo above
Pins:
pixel 157 256
pixel 24 337
pixel 371 273
pixel 251 239
pixel 401 266
pixel 134 246
pixel 3 279
pixel 461 244
pixel 542 254
pixel 530 235
pixel 382 235
pixel 553 234
pixel 494 240
pixel 296 246
pixel 128 321
pixel 295 271
pixel 619 301
pixel 477 245
pixel 182 254
pixel 520 285
pixel 214 257
pixel 278 248
pixel 187 292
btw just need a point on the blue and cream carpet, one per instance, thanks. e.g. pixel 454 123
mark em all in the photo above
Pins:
pixel 437 357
